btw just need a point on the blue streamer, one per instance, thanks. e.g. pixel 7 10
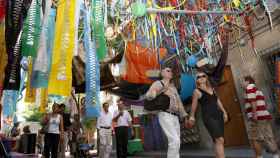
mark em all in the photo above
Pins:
pixel 40 78
pixel 9 105
pixel 92 71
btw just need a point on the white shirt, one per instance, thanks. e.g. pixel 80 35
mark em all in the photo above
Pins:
pixel 104 120
pixel 123 120
pixel 54 124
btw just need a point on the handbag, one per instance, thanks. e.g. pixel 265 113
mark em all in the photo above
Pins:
pixel 161 102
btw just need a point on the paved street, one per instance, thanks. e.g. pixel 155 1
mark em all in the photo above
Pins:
pixel 230 153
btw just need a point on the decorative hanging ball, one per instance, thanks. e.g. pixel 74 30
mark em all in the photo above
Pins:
pixel 138 9
pixel 191 61
pixel 187 86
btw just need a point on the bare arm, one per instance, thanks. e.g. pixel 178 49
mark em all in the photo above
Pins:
pixel 196 96
pixel 181 106
pixel 154 90
pixel 115 119
pixel 61 125
pixel 221 106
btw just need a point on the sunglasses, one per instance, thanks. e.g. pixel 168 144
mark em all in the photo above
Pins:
pixel 168 70
pixel 200 76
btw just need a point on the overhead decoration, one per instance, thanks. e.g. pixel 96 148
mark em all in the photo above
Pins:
pixel 42 63
pixel 16 12
pixel 140 61
pixel 92 102
pixel 3 55
pixel 31 30
pixel 98 28
pixel 60 80
pixel 9 107
pixel 43 99
pixel 187 86
pixel 30 93
pixel 2 9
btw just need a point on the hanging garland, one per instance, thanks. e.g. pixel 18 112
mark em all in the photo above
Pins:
pixel 60 80
pixel 31 30
pixel 98 28
pixel 42 63
pixel 92 70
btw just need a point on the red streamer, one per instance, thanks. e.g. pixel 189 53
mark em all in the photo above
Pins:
pixel 2 9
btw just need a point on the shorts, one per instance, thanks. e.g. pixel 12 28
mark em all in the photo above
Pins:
pixel 261 131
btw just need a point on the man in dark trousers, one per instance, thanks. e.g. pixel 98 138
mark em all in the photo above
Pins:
pixel 123 120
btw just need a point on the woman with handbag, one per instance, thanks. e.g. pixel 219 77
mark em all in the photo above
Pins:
pixel 53 132
pixel 213 113
pixel 169 118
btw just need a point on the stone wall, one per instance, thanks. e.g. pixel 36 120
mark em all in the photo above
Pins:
pixel 244 60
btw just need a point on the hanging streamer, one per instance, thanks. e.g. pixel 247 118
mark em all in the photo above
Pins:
pixel 98 28
pixel 2 9
pixel 3 56
pixel 9 107
pixel 43 100
pixel 60 81
pixel 42 63
pixel 92 71
pixel 30 93
pixel 14 18
pixel 31 30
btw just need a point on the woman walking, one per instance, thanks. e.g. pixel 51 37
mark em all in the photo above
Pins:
pixel 54 132
pixel 169 119
pixel 213 112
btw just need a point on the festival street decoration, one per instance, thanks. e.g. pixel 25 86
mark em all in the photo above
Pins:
pixel 40 39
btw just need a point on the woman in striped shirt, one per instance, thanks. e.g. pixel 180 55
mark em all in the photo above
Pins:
pixel 259 119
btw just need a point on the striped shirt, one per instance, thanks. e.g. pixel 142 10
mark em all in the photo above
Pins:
pixel 255 95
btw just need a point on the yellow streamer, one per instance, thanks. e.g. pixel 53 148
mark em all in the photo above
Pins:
pixel 3 54
pixel 30 94
pixel 43 100
pixel 60 82
pixel 236 3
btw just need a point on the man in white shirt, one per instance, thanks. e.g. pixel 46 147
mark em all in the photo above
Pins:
pixel 123 120
pixel 104 124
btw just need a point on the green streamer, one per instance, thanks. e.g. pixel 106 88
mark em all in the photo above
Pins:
pixel 31 30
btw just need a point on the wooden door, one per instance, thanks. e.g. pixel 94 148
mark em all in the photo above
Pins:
pixel 235 131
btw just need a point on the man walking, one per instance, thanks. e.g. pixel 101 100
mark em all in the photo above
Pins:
pixel 104 123
pixel 259 120
pixel 123 120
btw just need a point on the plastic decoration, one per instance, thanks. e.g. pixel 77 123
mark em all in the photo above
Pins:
pixel 43 99
pixel 138 9
pixel 92 71
pixel 98 28
pixel 187 86
pixel 9 106
pixel 42 63
pixel 3 55
pixel 191 61
pixel 30 93
pixel 60 81
pixel 2 9
pixel 31 30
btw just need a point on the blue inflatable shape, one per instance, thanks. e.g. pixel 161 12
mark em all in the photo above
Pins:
pixel 187 86
pixel 191 61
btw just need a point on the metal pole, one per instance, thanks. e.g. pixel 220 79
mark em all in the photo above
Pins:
pixel 164 11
